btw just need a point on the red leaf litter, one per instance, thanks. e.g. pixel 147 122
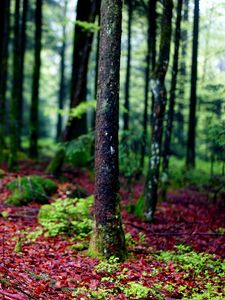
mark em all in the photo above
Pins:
pixel 49 269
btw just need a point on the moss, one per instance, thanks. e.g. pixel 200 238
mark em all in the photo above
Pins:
pixel 28 188
pixel 55 165
pixel 67 216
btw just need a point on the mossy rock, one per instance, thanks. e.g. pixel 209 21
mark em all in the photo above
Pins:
pixel 28 188
pixel 67 216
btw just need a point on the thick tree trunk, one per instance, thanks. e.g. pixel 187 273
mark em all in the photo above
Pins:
pixel 4 37
pixel 15 91
pixel 169 125
pixel 158 88
pixel 150 63
pixel 22 56
pixel 108 236
pixel 62 75
pixel 190 159
pixel 127 81
pixel 86 11
pixel 34 122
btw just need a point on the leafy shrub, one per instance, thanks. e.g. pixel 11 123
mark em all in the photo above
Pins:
pixel 28 188
pixel 67 216
pixel 79 151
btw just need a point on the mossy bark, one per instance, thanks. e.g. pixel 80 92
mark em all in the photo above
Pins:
pixel 159 91
pixel 108 236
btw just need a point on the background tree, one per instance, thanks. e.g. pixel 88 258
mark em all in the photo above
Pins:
pixel 62 86
pixel 128 68
pixel 190 159
pixel 34 122
pixel 15 89
pixel 4 37
pixel 159 90
pixel 108 238
pixel 150 65
pixel 86 12
pixel 170 114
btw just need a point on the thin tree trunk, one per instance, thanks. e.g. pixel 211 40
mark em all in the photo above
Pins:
pixel 183 76
pixel 12 162
pixel 4 38
pixel 158 88
pixel 21 79
pixel 62 75
pixel 108 237
pixel 190 159
pixel 169 125
pixel 34 122
pixel 150 62
pixel 127 82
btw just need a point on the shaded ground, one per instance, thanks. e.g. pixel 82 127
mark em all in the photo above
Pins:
pixel 48 268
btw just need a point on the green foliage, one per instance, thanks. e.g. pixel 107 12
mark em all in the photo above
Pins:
pixel 136 290
pixel 2 173
pixel 108 266
pixel 82 108
pixel 192 260
pixel 28 188
pixel 88 26
pixel 79 151
pixel 129 153
pixel 67 216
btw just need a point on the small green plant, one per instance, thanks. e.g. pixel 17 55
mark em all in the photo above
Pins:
pixel 136 290
pixel 67 216
pixel 109 266
pixel 28 188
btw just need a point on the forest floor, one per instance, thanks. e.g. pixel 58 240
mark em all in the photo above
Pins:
pixel 179 256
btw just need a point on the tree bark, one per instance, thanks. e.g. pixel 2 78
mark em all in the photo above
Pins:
pixel 128 69
pixel 34 122
pixel 158 88
pixel 12 162
pixel 169 125
pixel 150 63
pixel 190 159
pixel 62 75
pixel 108 237
pixel 4 38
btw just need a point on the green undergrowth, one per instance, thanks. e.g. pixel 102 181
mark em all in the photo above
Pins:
pixel 67 216
pixel 28 188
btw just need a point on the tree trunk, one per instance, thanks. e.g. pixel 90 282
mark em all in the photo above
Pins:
pixel 127 82
pixel 169 125
pixel 86 11
pixel 108 237
pixel 15 90
pixel 150 62
pixel 34 123
pixel 183 77
pixel 190 159
pixel 62 75
pixel 4 37
pixel 21 79
pixel 158 88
